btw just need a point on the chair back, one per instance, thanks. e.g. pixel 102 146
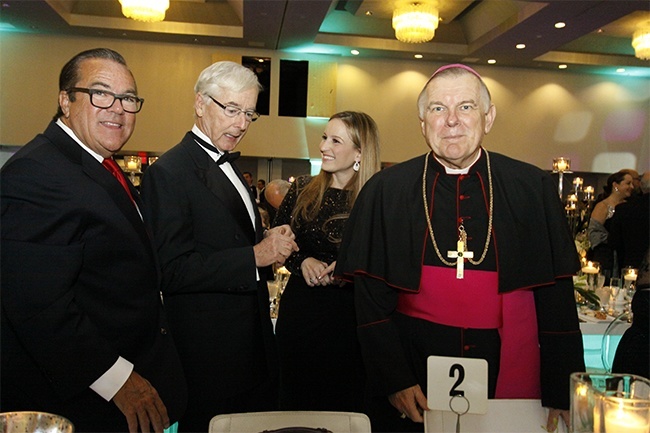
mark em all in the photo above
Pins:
pixel 291 421
pixel 611 338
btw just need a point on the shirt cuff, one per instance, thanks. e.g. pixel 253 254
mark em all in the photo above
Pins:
pixel 115 377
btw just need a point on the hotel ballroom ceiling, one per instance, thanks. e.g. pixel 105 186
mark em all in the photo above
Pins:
pixel 596 39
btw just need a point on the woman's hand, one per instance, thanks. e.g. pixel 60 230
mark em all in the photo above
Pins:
pixel 317 273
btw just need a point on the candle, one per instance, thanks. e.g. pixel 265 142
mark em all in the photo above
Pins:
pixel 591 268
pixel 577 183
pixel 561 164
pixel 630 276
pixel 620 421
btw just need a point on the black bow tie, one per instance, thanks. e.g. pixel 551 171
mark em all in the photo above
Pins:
pixel 228 157
pixel 225 156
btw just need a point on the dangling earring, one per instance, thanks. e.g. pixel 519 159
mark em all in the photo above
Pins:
pixel 356 166
pixel 616 189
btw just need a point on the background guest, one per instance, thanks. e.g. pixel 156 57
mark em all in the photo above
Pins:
pixel 261 184
pixel 320 362
pixel 273 194
pixel 619 187
pixel 636 181
pixel 248 176
pixel 629 228
pixel 83 329
pixel 208 232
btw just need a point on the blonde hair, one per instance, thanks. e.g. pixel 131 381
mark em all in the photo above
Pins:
pixel 365 136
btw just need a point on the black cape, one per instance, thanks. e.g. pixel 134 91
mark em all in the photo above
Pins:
pixel 385 233
pixel 383 248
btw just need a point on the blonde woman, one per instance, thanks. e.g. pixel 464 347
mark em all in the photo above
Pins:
pixel 320 360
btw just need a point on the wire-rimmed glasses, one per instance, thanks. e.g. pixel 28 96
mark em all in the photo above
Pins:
pixel 232 111
pixel 105 99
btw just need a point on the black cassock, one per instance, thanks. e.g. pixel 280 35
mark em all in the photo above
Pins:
pixel 387 246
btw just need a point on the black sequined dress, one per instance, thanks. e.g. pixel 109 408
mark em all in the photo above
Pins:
pixel 320 360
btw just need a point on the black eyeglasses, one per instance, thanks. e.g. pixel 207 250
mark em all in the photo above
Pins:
pixel 232 111
pixel 105 99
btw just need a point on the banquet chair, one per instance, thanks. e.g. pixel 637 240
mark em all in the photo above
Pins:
pixel 503 416
pixel 611 338
pixel 257 422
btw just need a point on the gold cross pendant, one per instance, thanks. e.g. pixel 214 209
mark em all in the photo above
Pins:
pixel 461 253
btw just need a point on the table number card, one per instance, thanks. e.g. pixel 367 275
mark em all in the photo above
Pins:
pixel 453 378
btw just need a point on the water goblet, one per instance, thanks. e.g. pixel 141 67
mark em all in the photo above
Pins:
pixel 616 296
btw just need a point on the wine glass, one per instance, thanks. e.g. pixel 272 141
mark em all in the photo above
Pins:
pixel 615 291
pixel 602 292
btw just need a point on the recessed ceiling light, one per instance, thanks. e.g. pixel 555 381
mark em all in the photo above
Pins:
pixel 491 61
pixel 560 25
pixel 418 56
pixel 368 13
pixel 520 46
pixel 354 52
pixel 620 70
pixel 562 66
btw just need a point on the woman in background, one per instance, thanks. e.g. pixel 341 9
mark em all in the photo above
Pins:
pixel 619 187
pixel 320 360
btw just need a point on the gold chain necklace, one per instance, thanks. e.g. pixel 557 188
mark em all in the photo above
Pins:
pixel 426 212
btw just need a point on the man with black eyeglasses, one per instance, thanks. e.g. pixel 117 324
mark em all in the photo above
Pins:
pixel 84 334
pixel 215 254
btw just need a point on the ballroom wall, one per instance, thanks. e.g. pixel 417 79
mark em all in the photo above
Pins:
pixel 600 122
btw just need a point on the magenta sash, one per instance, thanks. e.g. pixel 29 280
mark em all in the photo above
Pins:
pixel 474 302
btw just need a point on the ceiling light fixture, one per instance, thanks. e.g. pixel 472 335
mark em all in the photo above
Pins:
pixel 641 43
pixel 415 23
pixel 145 10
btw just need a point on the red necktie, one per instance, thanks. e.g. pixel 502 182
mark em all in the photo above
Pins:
pixel 112 166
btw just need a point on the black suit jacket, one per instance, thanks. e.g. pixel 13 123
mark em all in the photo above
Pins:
pixel 80 287
pixel 218 310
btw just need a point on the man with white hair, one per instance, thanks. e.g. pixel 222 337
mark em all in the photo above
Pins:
pixel 214 254
pixel 462 252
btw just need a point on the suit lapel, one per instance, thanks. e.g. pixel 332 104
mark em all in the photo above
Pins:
pixel 258 218
pixel 220 185
pixel 94 170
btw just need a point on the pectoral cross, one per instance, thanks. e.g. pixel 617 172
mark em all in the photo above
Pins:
pixel 461 253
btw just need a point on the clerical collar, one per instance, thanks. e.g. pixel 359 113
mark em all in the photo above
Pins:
pixel 465 170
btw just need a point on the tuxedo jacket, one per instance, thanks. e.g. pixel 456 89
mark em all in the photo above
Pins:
pixel 80 287
pixel 217 307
